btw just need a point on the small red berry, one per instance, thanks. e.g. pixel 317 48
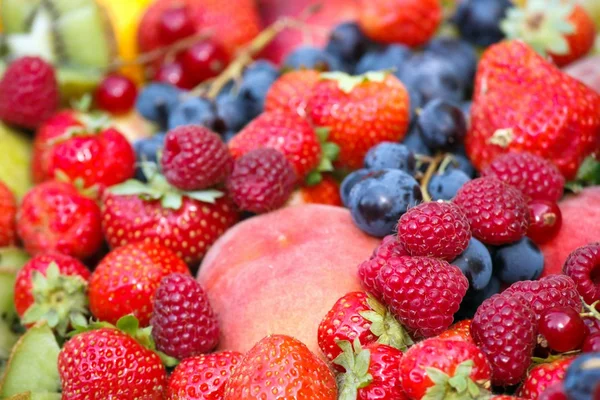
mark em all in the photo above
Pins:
pixel 116 94
pixel 583 265
pixel 175 24
pixel 554 392
pixel 563 329
pixel 545 220
pixel 173 73
pixel 8 213
pixel 591 344
pixel 204 60
pixel 368 270
pixel 593 324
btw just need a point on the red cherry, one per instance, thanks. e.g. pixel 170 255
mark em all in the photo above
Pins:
pixel 204 60
pixel 175 24
pixel 563 328
pixel 546 220
pixel 593 324
pixel 116 94
pixel 554 392
pixel 591 344
pixel 174 74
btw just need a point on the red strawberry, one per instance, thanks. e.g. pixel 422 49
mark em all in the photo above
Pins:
pixel 51 287
pixel 411 22
pixel 202 377
pixel 54 216
pixel 29 92
pixel 358 316
pixel 361 111
pixel 186 222
pixel 8 213
pixel 582 266
pixel 370 372
pixel 459 331
pixel 299 373
pixel 325 192
pixel 125 281
pixel 424 293
pixel 289 133
pixel 542 376
pixel 512 111
pixel 107 363
pixel 445 368
pixel 291 91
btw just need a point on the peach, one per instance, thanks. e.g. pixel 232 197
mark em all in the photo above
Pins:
pixel 587 70
pixel 280 273
pixel 581 225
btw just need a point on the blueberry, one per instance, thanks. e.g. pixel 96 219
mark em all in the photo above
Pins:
pixel 347 42
pixel 228 135
pixel 442 125
pixel 474 298
pixel 231 110
pixel 413 141
pixel 147 149
pixel 460 53
pixel 390 57
pixel 381 198
pixel 195 111
pixel 518 261
pixel 433 76
pixel 156 101
pixel 460 161
pixel 582 380
pixel 312 58
pixel 416 101
pixel 465 106
pixel 348 183
pixel 445 185
pixel 253 90
pixel 390 155
pixel 476 264
pixel 478 21
pixel 261 67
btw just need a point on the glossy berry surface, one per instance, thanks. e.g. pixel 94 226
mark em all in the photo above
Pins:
pixel 544 377
pixel 476 264
pixel 519 261
pixel 116 94
pixel 442 125
pixel 474 298
pixel 348 183
pixel 459 52
pixel 390 57
pixel 173 73
pixel 545 220
pixel 478 20
pixel 195 111
pixel 347 42
pixel 583 266
pixel 391 155
pixel 582 381
pixel 445 185
pixel 156 101
pixel 307 57
pixel 204 60
pixel 563 329
pixel 175 24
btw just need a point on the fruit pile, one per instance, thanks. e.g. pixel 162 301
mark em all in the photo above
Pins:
pixel 375 199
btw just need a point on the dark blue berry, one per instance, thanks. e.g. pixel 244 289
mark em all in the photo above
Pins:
pixel 156 101
pixel 478 21
pixel 518 261
pixel 416 102
pixel 444 186
pixel 348 183
pixel 474 298
pixel 347 42
pixel 312 58
pixel 433 76
pixel 460 53
pixel 392 57
pixel 147 149
pixel 261 67
pixel 253 90
pixel 195 111
pixel 442 125
pixel 476 264
pixel 465 106
pixel 413 141
pixel 381 198
pixel 460 161
pixel 582 380
pixel 390 155
pixel 228 135
pixel 231 110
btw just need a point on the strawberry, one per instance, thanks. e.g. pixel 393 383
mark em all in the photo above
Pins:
pixel 459 331
pixel 360 111
pixel 557 120
pixel 444 368
pixel 8 213
pixel 411 22
pixel 325 192
pixel 291 91
pixel 202 377
pixel 542 376
pixel 279 367
pixel 51 287
pixel 186 222
pixel 54 216
pixel 125 281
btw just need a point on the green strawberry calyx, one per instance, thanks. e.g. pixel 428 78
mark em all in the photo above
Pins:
pixel 57 298
pixel 356 361
pixel 385 326
pixel 329 153
pixel 457 387
pixel 158 188
pixel 347 82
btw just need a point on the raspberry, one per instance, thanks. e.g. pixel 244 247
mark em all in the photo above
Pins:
pixel 550 291
pixel 368 270
pixel 183 322
pixel 195 158
pixel 435 229
pixel 583 266
pixel 262 180
pixel 504 328
pixel 497 212
pixel 424 293
pixel 8 213
pixel 535 176
pixel 29 92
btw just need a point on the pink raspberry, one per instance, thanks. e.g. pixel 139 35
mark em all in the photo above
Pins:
pixel 369 269
pixel 262 180
pixel 497 212
pixel 195 158
pixel 435 229
pixel 583 266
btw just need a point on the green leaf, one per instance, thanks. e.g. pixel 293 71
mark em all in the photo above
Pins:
pixel 131 187
pixel 313 178
pixel 437 376
pixel 52 272
pixel 325 165
pixel 346 357
pixel 362 362
pixel 322 133
pixel 168 361
pixel 128 324
pixel 459 383
pixel 205 196
pixel 78 320
pixel 330 150
pixel 589 171
pixel 172 200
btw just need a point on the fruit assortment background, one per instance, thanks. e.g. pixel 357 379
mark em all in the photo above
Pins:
pixel 337 199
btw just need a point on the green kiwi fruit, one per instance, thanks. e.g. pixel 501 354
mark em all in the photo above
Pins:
pixel 36 396
pixel 12 258
pixel 15 161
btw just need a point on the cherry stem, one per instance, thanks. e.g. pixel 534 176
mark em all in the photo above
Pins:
pixel 591 310
pixel 431 168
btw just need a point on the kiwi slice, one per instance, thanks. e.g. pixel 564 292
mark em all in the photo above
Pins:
pixel 33 364
pixel 7 306
pixel 8 338
pixel 16 14
pixel 12 258
pixel 75 82
pixel 36 396
pixel 15 160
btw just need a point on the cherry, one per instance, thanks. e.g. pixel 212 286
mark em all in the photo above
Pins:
pixel 593 324
pixel 553 392
pixel 591 344
pixel 563 328
pixel 175 24
pixel 204 60
pixel 116 94
pixel 546 220
pixel 174 74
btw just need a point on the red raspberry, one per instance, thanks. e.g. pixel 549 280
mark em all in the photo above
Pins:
pixel 183 322
pixel 583 266
pixel 497 212
pixel 550 291
pixel 29 92
pixel 195 158
pixel 543 376
pixel 368 270
pixel 424 293
pixel 504 328
pixel 8 214
pixel 262 180
pixel 435 229
pixel 535 176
